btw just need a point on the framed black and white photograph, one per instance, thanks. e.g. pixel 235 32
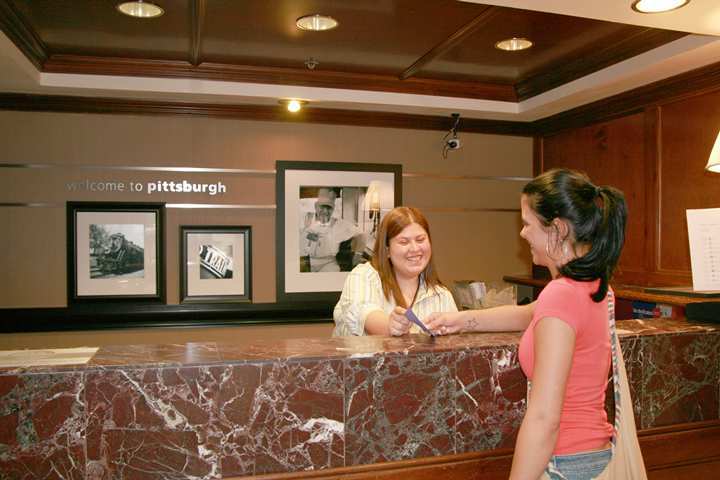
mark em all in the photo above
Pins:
pixel 215 264
pixel 115 251
pixel 327 219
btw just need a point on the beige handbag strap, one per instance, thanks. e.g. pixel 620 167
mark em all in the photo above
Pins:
pixel 614 346
pixel 627 462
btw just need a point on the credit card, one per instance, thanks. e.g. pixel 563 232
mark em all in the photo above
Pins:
pixel 413 318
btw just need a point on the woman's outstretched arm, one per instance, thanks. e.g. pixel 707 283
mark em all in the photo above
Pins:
pixel 506 318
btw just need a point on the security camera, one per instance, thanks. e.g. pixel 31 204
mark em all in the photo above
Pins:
pixel 453 143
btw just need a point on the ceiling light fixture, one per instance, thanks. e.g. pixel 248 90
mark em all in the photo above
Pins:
pixel 658 6
pixel 316 22
pixel 293 105
pixel 140 9
pixel 514 44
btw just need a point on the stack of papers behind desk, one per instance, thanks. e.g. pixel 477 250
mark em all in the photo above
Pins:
pixel 48 357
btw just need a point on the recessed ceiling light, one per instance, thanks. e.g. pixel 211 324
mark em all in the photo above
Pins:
pixel 293 105
pixel 657 6
pixel 514 44
pixel 140 9
pixel 316 22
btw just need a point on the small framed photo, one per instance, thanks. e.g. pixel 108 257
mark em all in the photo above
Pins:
pixel 115 251
pixel 215 264
pixel 327 220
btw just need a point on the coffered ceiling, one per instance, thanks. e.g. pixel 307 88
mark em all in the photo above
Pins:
pixel 431 56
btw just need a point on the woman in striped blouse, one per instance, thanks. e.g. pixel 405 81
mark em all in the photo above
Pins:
pixel 400 275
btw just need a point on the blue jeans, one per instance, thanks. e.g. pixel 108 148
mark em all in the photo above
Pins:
pixel 578 466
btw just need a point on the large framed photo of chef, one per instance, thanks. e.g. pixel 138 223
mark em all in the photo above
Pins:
pixel 327 219
pixel 115 251
pixel 215 264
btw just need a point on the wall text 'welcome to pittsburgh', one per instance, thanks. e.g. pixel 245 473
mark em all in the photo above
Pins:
pixel 159 186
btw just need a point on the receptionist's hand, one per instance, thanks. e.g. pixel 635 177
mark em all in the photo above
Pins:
pixel 444 323
pixel 398 323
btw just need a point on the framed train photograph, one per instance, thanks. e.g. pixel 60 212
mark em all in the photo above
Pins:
pixel 215 264
pixel 114 251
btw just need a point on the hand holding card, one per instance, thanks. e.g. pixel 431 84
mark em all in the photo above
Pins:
pixel 414 319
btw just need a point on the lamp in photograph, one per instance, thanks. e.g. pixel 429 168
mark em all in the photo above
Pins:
pixel 375 197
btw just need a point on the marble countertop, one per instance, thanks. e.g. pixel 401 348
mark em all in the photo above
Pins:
pixel 193 354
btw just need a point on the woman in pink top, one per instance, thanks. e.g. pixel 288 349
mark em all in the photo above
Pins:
pixel 576 230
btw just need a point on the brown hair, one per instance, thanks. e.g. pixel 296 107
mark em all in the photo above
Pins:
pixel 392 224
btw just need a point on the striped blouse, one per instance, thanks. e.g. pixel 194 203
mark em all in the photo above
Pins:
pixel 363 294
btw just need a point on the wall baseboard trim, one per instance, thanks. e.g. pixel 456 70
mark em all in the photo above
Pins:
pixel 100 316
pixel 691 447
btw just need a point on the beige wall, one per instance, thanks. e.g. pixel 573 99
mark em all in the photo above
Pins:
pixel 467 244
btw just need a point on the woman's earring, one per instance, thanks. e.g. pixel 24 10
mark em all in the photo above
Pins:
pixel 547 249
pixel 565 249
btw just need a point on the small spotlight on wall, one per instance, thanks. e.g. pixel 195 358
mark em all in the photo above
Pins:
pixel 293 105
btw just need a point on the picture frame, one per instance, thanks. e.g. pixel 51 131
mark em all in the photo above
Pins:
pixel 215 264
pixel 115 252
pixel 316 250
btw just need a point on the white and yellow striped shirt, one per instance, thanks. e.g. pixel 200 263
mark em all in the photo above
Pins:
pixel 363 293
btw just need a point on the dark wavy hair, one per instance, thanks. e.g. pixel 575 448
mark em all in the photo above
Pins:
pixel 597 216
pixel 392 224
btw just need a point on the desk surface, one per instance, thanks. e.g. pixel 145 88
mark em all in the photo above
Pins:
pixel 667 295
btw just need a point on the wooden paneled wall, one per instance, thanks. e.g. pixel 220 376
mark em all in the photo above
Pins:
pixel 657 157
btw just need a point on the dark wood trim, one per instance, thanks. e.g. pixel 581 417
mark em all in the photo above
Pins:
pixel 60 103
pixel 653 213
pixel 14 25
pixel 112 316
pixel 695 82
pixel 197 22
pixel 277 76
pixel 627 46
pixel 461 34
pixel 694 447
pixel 538 152
pixel 627 292
pixel 489 465
pixel 685 85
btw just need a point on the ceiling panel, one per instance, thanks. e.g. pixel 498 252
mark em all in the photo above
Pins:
pixel 407 44
pixel 96 28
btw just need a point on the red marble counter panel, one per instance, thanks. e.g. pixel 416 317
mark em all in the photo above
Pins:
pixel 42 425
pixel 209 410
pixel 399 406
pixel 490 391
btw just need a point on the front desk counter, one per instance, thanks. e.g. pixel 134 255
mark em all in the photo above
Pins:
pixel 370 407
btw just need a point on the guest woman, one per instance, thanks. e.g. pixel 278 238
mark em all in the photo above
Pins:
pixel 400 275
pixel 576 230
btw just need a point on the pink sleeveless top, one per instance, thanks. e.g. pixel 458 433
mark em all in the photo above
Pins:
pixel 583 422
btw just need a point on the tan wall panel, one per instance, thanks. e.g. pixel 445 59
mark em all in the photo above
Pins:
pixel 32 252
pixel 491 240
pixel 485 255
